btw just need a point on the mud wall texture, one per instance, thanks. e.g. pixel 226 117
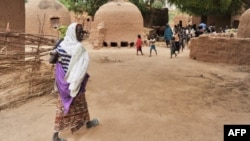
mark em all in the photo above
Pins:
pixel 184 18
pixel 116 22
pixel 218 21
pixel 221 49
pixel 12 12
pixel 45 16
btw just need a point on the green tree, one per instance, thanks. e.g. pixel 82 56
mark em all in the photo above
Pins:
pixel 247 2
pixel 205 8
pixel 209 7
pixel 91 6
pixel 146 7
pixel 80 6
pixel 77 6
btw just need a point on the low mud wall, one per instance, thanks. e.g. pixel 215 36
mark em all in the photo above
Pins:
pixel 230 50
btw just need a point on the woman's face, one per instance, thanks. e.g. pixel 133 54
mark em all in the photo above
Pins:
pixel 79 32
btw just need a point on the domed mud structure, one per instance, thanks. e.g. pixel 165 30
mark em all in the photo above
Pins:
pixel 116 23
pixel 244 26
pixel 51 12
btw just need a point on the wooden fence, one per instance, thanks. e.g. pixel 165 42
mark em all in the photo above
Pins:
pixel 23 73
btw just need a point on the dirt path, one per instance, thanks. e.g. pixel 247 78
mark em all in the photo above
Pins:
pixel 141 98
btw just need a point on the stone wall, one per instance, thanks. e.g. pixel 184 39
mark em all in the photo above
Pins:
pixel 220 49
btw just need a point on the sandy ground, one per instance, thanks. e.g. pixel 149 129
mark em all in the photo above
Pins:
pixel 142 98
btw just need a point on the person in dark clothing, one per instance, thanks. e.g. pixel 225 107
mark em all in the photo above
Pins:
pixel 172 47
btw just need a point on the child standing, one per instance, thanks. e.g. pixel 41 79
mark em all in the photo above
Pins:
pixel 173 47
pixel 177 42
pixel 152 44
pixel 139 45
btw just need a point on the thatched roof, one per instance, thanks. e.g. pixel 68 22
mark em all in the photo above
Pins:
pixel 49 4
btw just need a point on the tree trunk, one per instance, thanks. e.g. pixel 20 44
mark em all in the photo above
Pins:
pixel 247 2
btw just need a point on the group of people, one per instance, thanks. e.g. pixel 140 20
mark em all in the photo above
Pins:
pixel 71 76
pixel 139 44
pixel 175 40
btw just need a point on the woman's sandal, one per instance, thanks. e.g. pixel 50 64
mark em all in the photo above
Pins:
pixel 92 123
pixel 60 139
pixel 56 138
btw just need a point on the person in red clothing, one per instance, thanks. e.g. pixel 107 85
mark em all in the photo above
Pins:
pixel 139 44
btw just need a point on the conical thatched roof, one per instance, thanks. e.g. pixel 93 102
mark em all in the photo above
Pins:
pixel 49 4
pixel 51 12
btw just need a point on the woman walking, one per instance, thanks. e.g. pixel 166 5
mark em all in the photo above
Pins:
pixel 71 79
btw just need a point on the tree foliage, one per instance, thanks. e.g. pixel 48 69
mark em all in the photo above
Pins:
pixel 77 6
pixel 91 6
pixel 146 7
pixel 208 7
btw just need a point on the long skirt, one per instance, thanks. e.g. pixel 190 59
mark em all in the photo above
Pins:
pixel 77 116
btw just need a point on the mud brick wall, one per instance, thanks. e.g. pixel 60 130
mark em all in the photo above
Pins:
pixel 221 49
pixel 12 12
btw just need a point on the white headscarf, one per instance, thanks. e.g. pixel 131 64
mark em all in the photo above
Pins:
pixel 79 61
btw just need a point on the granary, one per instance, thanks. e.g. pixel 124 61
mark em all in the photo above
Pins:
pixel 116 24
pixel 45 15
pixel 244 26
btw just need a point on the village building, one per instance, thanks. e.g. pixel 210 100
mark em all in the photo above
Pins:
pixel 116 23
pixel 244 26
pixel 45 16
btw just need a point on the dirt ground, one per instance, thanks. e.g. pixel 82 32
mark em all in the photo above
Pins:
pixel 142 98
